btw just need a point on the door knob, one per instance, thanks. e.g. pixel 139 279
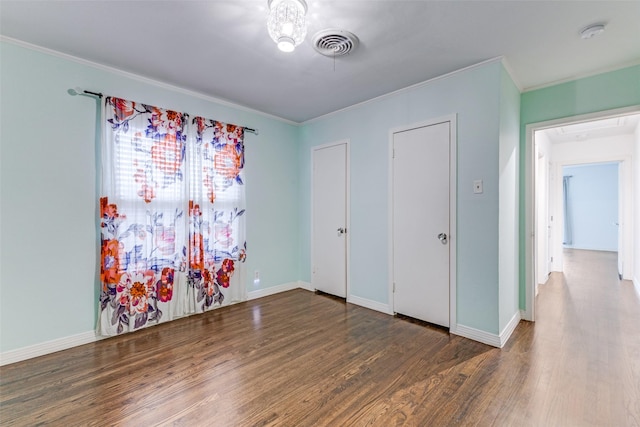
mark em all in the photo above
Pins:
pixel 341 231
pixel 443 238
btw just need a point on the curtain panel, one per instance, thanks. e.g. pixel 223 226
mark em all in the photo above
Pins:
pixel 172 211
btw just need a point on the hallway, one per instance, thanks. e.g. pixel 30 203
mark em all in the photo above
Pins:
pixel 585 364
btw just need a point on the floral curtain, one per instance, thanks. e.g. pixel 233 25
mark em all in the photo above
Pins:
pixel 216 214
pixel 171 216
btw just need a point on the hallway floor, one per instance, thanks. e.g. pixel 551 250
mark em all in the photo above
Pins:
pixel 585 346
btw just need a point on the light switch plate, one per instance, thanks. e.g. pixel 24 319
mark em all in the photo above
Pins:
pixel 477 186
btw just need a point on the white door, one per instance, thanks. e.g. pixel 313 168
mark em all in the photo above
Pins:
pixel 421 167
pixel 329 217
pixel 543 227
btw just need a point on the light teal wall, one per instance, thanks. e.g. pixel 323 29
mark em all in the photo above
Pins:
pixel 474 95
pixel 48 161
pixel 615 89
pixel 48 234
pixel 509 199
pixel 593 206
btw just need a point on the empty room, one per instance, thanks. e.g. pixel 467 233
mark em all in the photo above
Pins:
pixel 319 213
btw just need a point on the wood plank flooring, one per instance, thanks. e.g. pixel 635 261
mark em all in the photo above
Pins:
pixel 300 359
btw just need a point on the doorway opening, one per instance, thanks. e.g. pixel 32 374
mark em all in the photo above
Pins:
pixel 605 140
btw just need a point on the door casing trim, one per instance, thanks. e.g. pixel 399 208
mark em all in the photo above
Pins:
pixel 530 246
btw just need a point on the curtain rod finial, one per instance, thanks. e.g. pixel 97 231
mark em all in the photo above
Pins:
pixel 79 91
pixel 75 91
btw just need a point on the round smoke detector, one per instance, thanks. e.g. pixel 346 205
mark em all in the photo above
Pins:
pixel 334 42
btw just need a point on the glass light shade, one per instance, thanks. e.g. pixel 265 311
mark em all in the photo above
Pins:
pixel 287 23
pixel 286 44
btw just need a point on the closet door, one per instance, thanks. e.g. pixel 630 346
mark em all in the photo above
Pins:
pixel 329 219
pixel 421 168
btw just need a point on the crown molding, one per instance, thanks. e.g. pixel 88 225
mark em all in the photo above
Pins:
pixel 142 79
pixel 582 76
pixel 404 89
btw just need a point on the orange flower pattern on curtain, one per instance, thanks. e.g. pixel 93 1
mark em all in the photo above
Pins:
pixel 157 262
pixel 216 209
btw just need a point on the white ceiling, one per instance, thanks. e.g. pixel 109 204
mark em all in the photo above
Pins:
pixel 626 124
pixel 222 49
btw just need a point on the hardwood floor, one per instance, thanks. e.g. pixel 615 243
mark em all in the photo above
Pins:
pixel 300 359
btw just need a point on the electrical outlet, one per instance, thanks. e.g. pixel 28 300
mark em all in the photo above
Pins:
pixel 477 186
pixel 256 278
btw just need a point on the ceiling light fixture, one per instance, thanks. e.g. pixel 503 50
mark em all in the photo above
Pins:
pixel 287 23
pixel 592 31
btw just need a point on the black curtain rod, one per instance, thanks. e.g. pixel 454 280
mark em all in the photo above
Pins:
pixel 99 95
pixel 88 92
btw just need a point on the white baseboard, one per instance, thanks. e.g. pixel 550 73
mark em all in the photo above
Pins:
pixel 486 337
pixel 261 293
pixel 372 305
pixel 305 285
pixel 508 330
pixel 47 347
pixel 29 352
pixel 636 283
pixel 53 346
pixel 476 335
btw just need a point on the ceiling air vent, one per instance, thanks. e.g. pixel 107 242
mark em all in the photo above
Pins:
pixel 334 42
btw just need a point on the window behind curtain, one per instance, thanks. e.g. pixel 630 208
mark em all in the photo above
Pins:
pixel 172 216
